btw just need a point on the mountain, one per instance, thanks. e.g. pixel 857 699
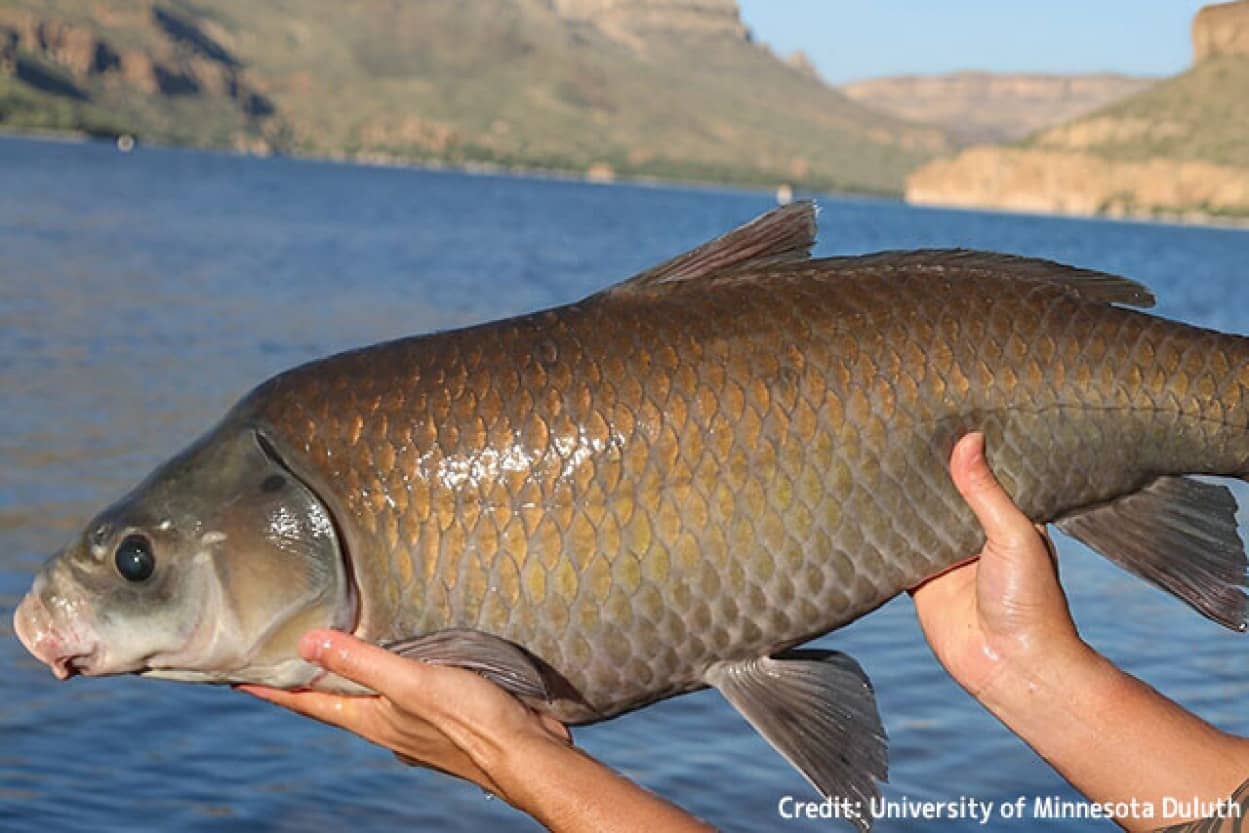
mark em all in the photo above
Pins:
pixel 1176 149
pixel 663 88
pixel 992 107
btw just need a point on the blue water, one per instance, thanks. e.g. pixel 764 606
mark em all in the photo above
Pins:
pixel 141 294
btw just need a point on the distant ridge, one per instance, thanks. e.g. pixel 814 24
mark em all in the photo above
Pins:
pixel 1177 149
pixel 993 106
pixel 658 88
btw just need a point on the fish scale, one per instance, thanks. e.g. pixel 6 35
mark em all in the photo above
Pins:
pixel 671 484
pixel 636 488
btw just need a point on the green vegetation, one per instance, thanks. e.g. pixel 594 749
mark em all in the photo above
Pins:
pixel 1199 115
pixel 457 81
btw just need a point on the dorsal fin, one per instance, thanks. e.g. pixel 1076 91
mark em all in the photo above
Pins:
pixel 783 235
pixel 1089 284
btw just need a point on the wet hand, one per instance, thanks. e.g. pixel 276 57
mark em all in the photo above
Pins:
pixel 1005 608
pixel 441 717
pixel 1000 625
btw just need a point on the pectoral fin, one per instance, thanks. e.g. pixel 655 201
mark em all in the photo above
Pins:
pixel 502 662
pixel 818 710
pixel 1179 534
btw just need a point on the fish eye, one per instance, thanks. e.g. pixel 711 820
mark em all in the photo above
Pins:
pixel 134 558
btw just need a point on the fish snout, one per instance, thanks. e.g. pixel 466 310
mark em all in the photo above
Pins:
pixel 65 650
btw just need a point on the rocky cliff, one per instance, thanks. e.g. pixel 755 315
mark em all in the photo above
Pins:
pixel 1020 179
pixel 1176 149
pixel 720 17
pixel 54 68
pixel 660 88
pixel 992 107
pixel 1221 30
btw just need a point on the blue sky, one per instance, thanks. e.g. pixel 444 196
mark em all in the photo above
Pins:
pixel 853 39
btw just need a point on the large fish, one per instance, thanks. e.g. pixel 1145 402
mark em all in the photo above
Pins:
pixel 669 484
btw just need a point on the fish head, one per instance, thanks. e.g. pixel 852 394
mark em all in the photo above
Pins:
pixel 210 570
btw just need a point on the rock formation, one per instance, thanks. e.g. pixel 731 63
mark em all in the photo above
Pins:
pixel 1221 30
pixel 74 61
pixel 1021 179
pixel 1176 149
pixel 673 89
pixel 719 17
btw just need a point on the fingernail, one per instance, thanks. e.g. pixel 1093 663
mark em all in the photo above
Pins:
pixel 313 645
pixel 977 447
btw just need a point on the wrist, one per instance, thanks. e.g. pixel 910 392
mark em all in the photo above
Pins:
pixel 1064 677
pixel 1028 652
pixel 1112 736
pixel 514 762
pixel 565 789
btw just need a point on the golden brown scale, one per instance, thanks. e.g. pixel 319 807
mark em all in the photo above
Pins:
pixel 660 477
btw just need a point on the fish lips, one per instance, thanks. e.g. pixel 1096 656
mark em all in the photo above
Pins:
pixel 66 652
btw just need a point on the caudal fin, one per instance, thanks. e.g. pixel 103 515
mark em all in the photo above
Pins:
pixel 1179 534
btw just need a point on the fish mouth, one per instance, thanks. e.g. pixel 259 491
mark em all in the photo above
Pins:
pixel 65 667
pixel 66 654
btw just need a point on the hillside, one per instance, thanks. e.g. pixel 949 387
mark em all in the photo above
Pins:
pixel 1175 149
pixel 667 88
pixel 1200 115
pixel 992 107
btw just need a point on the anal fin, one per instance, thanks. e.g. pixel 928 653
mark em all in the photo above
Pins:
pixel 1178 534
pixel 502 662
pixel 818 710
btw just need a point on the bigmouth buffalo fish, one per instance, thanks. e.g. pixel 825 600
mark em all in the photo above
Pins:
pixel 669 485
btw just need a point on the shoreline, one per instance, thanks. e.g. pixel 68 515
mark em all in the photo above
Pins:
pixel 384 160
pixel 472 168
pixel 1193 219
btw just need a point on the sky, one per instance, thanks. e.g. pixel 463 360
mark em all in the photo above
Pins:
pixel 853 39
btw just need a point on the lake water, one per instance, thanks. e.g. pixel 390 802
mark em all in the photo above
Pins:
pixel 141 294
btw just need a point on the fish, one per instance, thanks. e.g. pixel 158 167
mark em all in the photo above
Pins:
pixel 670 485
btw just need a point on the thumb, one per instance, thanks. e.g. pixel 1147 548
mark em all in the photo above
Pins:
pixel 1005 527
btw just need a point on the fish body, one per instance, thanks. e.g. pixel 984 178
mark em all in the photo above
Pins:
pixel 668 484
pixel 636 488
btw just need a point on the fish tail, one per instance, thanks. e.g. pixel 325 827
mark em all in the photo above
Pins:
pixel 1177 532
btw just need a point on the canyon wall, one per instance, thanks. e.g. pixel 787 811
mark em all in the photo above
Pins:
pixel 1175 149
pixel 687 16
pixel 1221 30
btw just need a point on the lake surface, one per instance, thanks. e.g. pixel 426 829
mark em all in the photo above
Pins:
pixel 141 294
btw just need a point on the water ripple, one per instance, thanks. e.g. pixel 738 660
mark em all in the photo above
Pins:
pixel 130 319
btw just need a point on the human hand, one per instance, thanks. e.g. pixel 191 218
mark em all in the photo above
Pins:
pixel 1000 625
pixel 455 721
pixel 441 717
pixel 1005 608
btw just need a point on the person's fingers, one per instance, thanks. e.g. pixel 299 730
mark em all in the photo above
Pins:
pixel 1048 542
pixel 1004 525
pixel 334 709
pixel 556 728
pixel 360 662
